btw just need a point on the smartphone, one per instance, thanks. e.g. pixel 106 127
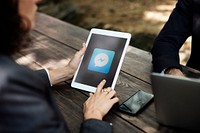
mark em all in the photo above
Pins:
pixel 136 102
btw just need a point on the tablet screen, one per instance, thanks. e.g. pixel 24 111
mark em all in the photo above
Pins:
pixel 101 60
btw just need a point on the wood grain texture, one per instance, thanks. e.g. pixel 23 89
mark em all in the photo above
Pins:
pixel 63 32
pixel 74 36
pixel 46 51
pixel 70 102
pixel 55 42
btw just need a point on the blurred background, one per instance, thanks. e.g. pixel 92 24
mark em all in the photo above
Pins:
pixel 142 18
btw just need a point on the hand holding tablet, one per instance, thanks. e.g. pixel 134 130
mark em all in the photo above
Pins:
pixel 102 60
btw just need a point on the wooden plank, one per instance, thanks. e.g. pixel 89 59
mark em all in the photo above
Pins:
pixel 126 84
pixel 55 42
pixel 46 51
pixel 22 60
pixel 73 36
pixel 138 63
pixel 70 102
pixel 63 32
pixel 146 119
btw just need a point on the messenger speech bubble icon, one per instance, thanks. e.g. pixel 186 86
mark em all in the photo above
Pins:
pixel 101 60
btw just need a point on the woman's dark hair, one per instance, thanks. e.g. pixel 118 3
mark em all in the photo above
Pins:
pixel 13 37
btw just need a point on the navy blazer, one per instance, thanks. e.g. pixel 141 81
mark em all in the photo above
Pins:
pixel 183 22
pixel 27 105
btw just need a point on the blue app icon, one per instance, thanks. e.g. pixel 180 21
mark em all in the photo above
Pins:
pixel 101 60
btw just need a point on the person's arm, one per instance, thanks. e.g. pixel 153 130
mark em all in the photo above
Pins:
pixel 26 105
pixel 96 107
pixel 165 51
pixel 65 73
pixel 44 74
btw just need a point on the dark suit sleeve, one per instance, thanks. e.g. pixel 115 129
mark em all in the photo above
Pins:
pixel 26 104
pixel 43 74
pixel 96 126
pixel 178 28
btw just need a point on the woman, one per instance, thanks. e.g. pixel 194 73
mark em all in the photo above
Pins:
pixel 26 104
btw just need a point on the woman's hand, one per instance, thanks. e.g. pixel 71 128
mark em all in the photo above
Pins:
pixel 65 73
pixel 99 103
pixel 74 62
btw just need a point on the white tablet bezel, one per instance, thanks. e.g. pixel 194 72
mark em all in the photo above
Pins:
pixel 127 36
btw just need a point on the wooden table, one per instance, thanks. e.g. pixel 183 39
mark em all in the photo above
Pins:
pixel 55 42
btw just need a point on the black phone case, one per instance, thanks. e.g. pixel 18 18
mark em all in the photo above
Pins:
pixel 136 102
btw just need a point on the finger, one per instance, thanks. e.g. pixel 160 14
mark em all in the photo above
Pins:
pixel 100 86
pixel 91 94
pixel 84 45
pixel 81 51
pixel 106 90
pixel 111 94
pixel 111 102
pixel 114 100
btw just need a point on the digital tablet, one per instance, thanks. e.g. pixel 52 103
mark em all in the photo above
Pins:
pixel 103 59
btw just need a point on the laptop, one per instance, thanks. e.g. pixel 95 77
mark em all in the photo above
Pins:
pixel 177 100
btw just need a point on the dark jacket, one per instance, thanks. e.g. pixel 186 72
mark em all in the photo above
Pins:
pixel 27 105
pixel 183 22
